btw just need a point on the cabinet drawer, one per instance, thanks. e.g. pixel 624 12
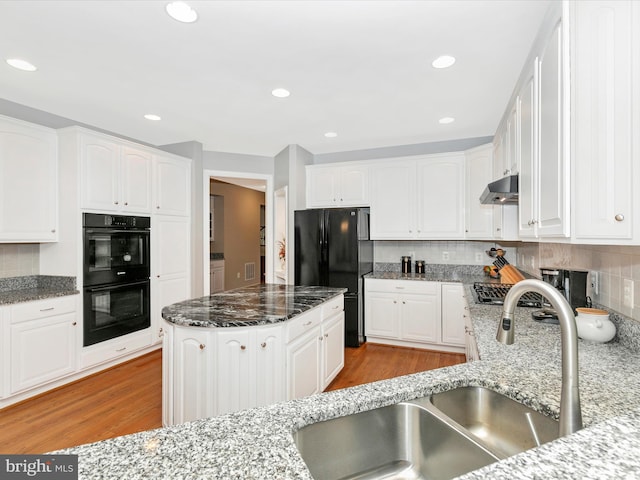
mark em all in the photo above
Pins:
pixel 401 286
pixel 117 348
pixel 43 308
pixel 331 307
pixel 303 323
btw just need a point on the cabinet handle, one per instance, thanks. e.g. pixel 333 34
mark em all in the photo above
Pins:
pixel 126 203
pixel 326 335
pixel 74 323
pixel 336 307
pixel 399 288
pixel 47 309
pixel 341 200
pixel 243 347
pixel 53 230
pixel 115 203
pixel 395 301
pixel 202 345
pixel 263 344
pixel 307 324
pixel 619 217
pixel 121 349
pixel 320 338
pixel 403 302
pixel 158 207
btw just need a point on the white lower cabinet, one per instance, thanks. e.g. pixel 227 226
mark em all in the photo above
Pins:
pixel 212 371
pixel 248 368
pixel 414 313
pixel 42 344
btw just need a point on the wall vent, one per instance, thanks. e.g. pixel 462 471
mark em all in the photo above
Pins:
pixel 250 271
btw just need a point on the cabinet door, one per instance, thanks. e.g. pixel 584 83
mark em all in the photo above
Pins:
pixel 268 374
pixel 393 202
pixel 136 180
pixel 100 173
pixel 42 350
pixel 453 312
pixel 478 217
pixel 303 365
pixel 322 187
pixel 420 318
pixel 553 206
pixel 172 186
pixel 441 197
pixel 28 183
pixel 354 186
pixel 332 348
pixel 528 193
pixel 382 315
pixel 512 163
pixel 194 353
pixel 606 134
pixel 235 388
pixel 171 235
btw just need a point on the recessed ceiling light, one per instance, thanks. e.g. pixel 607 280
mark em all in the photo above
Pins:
pixel 445 120
pixel 443 61
pixel 151 116
pixel 280 92
pixel 181 12
pixel 331 134
pixel 21 64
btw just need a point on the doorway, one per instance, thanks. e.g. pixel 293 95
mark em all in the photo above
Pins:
pixel 237 270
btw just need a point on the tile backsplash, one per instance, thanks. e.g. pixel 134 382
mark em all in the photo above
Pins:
pixel 440 252
pixel 613 265
pixel 19 259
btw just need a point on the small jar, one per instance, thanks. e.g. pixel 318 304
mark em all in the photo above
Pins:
pixel 420 266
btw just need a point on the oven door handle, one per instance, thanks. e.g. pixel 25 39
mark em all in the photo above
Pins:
pixel 115 286
pixel 110 230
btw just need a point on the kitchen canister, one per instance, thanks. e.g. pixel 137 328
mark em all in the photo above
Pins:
pixel 406 264
pixel 419 266
pixel 594 324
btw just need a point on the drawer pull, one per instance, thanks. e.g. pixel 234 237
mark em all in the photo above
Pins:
pixel 47 309
pixel 336 307
pixel 121 349
pixel 307 324
pixel 399 288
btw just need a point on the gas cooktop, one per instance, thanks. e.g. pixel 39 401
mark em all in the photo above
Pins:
pixel 494 293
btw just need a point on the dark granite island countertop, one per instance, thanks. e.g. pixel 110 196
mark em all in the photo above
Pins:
pixel 243 307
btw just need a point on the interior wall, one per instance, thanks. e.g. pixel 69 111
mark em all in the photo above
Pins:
pixel 241 231
pixel 452 252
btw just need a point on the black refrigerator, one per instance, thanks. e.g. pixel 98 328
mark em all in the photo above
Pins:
pixel 333 249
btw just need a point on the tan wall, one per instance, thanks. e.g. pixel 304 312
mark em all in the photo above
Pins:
pixel 241 232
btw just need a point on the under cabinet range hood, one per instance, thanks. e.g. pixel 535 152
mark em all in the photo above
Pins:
pixel 501 192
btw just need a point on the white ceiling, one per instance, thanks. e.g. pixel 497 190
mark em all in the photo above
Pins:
pixel 359 68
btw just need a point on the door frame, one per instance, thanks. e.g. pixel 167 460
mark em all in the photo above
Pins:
pixel 268 212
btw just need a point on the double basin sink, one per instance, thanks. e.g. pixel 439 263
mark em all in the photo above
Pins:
pixel 437 437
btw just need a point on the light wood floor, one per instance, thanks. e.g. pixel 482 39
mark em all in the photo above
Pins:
pixel 128 398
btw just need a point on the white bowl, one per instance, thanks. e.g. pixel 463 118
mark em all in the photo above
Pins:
pixel 594 324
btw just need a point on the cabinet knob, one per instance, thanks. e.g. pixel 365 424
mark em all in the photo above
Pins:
pixel 320 338
pixel 263 344
pixel 619 217
pixel 158 207
pixel 326 335
pixel 126 203
pixel 116 202
pixel 243 347
pixel 53 230
pixel 341 200
pixel 74 323
pixel 403 302
pixel 202 345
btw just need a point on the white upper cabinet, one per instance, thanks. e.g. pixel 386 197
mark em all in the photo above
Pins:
pixel 552 219
pixel 115 176
pixel 418 199
pixel 172 186
pixel 441 197
pixel 337 186
pixel 28 182
pixel 478 217
pixel 605 105
pixel 528 194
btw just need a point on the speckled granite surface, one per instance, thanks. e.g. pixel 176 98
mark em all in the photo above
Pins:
pixel 35 287
pixel 257 443
pixel 242 307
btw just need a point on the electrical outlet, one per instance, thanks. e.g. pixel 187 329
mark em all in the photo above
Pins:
pixel 627 293
pixel 238 275
pixel 533 261
pixel 479 257
pixel 595 283
pixel 445 256
pixel 412 255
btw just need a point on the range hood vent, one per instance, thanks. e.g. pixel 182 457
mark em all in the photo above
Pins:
pixel 501 192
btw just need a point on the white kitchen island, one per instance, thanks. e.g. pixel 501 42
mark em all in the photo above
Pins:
pixel 249 347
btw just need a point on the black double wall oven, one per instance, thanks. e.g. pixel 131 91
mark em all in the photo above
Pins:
pixel 116 276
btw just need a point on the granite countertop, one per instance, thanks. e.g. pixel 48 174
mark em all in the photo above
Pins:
pixel 35 287
pixel 256 305
pixel 257 443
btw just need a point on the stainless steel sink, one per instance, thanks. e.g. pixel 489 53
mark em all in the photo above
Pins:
pixel 404 441
pixel 504 425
